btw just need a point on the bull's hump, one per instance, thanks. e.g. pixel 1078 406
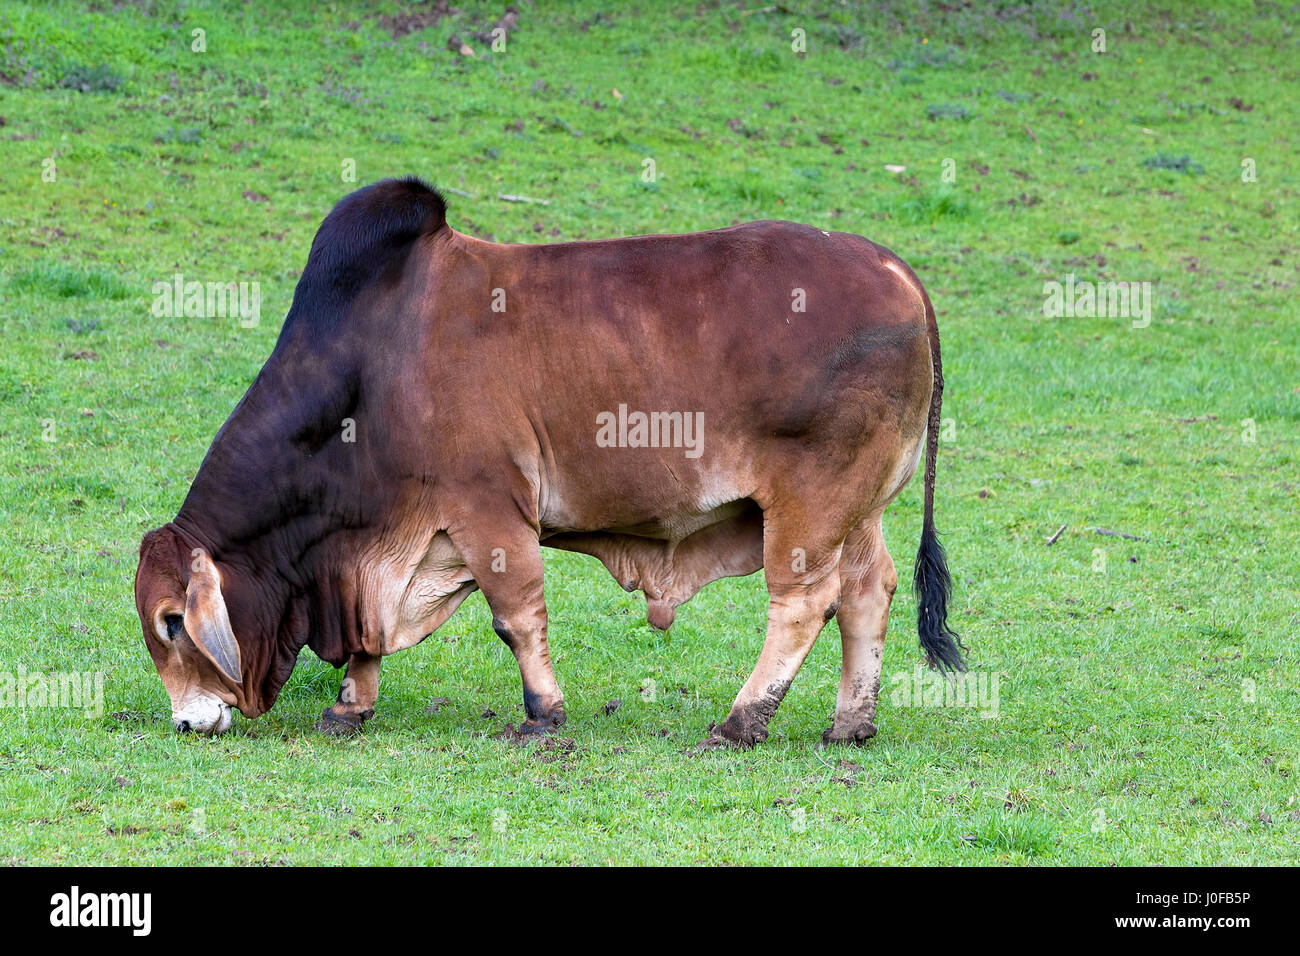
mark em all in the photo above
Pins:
pixel 364 235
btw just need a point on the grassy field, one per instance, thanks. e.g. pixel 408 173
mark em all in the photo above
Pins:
pixel 1147 708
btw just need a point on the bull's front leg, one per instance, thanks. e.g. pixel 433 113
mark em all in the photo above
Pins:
pixel 506 562
pixel 357 696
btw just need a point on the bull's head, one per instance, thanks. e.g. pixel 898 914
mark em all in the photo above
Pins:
pixel 187 628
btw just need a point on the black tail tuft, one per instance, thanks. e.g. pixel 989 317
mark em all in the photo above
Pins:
pixel 933 587
pixel 931 581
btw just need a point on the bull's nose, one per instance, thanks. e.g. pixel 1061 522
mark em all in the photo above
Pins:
pixel 182 726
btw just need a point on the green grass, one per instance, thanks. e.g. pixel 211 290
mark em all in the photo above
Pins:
pixel 1148 700
pixel 59 280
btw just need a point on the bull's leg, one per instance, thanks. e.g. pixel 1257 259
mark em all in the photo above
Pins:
pixel 508 569
pixel 803 594
pixel 868 580
pixel 357 696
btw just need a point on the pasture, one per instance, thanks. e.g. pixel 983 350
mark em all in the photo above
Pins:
pixel 1138 696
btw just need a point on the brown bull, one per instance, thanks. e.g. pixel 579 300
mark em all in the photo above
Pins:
pixel 436 408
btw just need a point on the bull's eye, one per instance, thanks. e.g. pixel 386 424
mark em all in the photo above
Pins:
pixel 167 623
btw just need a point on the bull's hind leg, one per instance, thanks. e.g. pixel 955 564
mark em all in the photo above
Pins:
pixel 867 583
pixel 357 696
pixel 801 554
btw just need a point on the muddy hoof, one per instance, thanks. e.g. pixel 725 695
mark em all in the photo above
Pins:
pixel 715 741
pixel 543 725
pixel 727 736
pixel 340 725
pixel 856 737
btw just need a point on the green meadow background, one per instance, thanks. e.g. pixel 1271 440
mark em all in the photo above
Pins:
pixel 1147 685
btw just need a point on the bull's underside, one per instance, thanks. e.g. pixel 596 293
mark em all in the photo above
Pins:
pixel 787 375
pixel 670 573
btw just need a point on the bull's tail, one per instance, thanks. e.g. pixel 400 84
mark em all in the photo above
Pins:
pixel 931 581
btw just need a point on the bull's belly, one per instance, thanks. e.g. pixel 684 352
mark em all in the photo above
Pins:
pixel 670 509
pixel 672 526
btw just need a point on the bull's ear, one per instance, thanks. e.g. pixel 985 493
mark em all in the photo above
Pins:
pixel 206 620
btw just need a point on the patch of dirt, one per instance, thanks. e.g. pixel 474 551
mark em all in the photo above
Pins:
pixel 401 24
pixel 520 738
pixel 549 748
pixel 507 23
pixel 552 749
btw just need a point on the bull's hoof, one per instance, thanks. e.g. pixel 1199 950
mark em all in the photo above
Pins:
pixel 531 731
pixel 715 741
pixel 544 725
pixel 732 735
pixel 856 736
pixel 335 724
